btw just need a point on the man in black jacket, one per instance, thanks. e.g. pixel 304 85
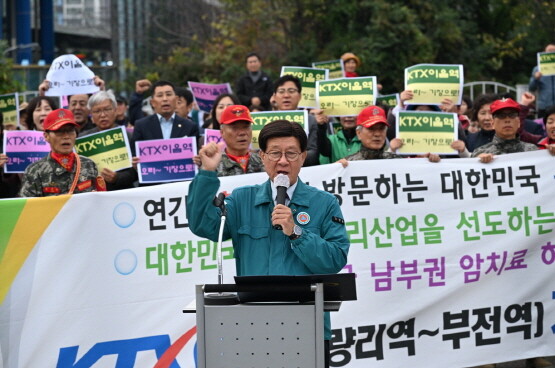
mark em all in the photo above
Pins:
pixel 255 87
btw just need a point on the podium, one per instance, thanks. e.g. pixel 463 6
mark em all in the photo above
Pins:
pixel 267 321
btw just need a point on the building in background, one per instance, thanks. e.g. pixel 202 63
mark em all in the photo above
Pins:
pixel 103 33
pixel 129 26
pixel 115 38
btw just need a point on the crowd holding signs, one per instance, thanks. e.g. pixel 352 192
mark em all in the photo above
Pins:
pixel 324 87
pixel 395 254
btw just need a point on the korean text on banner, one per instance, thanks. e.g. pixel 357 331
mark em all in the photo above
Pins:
pixel 335 67
pixel 431 83
pixel 23 147
pixel 262 118
pixel 108 149
pixel 214 135
pixel 389 100
pixel 423 132
pixel 166 160
pixel 9 106
pixel 346 96
pixel 546 63
pixel 308 78
pixel 205 94
pixel 69 76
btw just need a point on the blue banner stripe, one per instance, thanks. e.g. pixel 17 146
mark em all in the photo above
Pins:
pixel 205 105
pixel 174 170
pixel 20 160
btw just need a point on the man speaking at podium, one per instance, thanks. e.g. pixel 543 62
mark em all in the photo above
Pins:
pixel 311 239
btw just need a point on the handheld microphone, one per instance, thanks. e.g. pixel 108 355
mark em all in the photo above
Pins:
pixel 281 182
pixel 219 200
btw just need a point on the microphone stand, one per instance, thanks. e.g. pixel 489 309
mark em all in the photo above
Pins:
pixel 221 297
pixel 220 240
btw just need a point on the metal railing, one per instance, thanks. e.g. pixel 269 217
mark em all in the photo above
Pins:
pixel 486 87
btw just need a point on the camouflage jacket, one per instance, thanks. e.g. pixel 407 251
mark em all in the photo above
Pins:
pixel 46 177
pixel 228 167
pixel 370 154
pixel 499 146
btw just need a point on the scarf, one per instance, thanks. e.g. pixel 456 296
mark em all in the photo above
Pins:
pixel 243 161
pixel 66 161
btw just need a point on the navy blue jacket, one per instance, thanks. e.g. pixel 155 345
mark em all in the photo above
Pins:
pixel 149 128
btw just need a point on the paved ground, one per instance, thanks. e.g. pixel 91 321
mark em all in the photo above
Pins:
pixel 521 363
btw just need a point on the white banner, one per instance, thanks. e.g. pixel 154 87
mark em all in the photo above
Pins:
pixel 454 264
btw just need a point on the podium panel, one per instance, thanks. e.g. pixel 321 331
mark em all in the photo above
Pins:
pixel 267 321
pixel 259 335
pixel 268 335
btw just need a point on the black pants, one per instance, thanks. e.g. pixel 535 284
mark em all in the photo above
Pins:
pixel 327 352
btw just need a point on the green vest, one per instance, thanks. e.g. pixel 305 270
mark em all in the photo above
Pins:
pixel 340 148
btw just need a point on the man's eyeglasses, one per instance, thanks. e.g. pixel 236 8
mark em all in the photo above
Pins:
pixel 504 115
pixel 289 156
pixel 290 91
pixel 63 131
pixel 100 111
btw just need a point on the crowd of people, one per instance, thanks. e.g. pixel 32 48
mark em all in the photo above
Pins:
pixel 490 125
pixel 482 130
pixel 174 115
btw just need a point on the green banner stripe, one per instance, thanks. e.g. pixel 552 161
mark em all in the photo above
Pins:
pixel 345 92
pixel 263 119
pixel 390 101
pixel 433 74
pixel 8 103
pixel 344 87
pixel 550 58
pixel 11 209
pixel 308 78
pixel 428 81
pixel 426 122
pixel 93 146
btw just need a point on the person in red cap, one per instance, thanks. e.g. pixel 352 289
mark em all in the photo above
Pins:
pixel 506 123
pixel 61 171
pixel 236 132
pixel 372 131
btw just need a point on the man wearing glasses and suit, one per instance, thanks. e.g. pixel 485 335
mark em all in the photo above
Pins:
pixel 312 238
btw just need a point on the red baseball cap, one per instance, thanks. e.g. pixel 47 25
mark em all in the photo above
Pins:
pixel 506 103
pixel 235 113
pixel 58 118
pixel 371 116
